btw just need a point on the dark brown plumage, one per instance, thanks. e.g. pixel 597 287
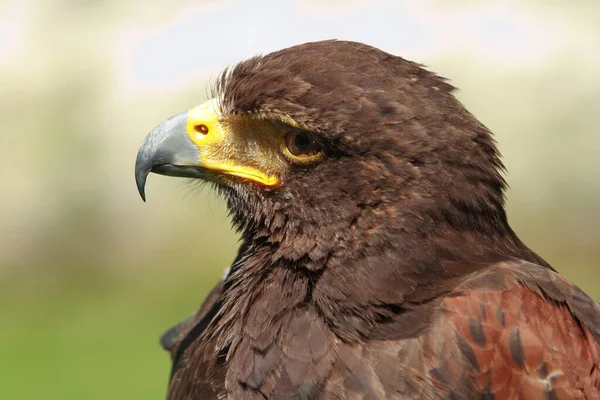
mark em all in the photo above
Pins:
pixel 386 268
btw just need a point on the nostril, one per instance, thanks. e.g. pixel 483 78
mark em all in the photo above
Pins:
pixel 201 128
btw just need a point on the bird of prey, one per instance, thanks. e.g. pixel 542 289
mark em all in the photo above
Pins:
pixel 376 260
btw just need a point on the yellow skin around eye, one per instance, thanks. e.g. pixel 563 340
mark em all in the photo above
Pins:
pixel 243 147
pixel 249 148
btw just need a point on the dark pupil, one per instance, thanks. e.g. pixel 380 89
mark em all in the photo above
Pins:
pixel 301 143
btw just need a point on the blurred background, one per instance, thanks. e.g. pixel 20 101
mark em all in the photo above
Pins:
pixel 90 276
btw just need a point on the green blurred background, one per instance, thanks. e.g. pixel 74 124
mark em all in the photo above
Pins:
pixel 90 276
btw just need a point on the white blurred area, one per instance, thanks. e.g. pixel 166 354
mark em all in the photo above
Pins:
pixel 82 82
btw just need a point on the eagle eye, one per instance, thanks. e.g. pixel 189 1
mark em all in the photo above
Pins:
pixel 302 145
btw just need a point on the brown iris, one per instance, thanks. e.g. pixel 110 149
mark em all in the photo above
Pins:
pixel 301 145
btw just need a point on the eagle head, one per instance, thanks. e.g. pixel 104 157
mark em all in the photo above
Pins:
pixel 337 147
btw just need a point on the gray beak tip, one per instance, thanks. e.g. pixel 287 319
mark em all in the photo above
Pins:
pixel 141 183
pixel 142 169
pixel 142 194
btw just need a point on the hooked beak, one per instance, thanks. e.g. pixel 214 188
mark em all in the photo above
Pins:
pixel 167 150
pixel 196 144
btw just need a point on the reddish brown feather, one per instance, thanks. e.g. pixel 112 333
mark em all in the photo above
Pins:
pixel 528 346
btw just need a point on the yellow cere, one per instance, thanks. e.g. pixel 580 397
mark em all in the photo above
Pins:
pixel 217 145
